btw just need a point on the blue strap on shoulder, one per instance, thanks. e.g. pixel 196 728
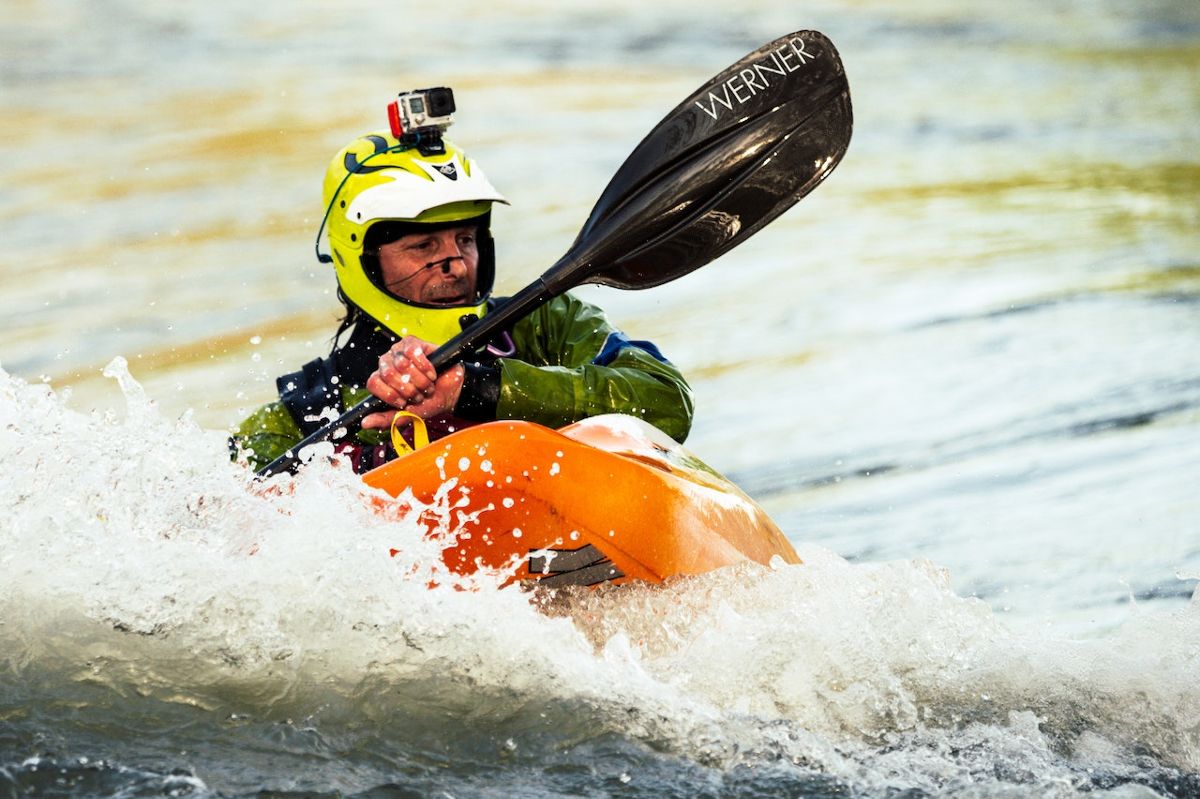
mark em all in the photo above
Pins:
pixel 617 341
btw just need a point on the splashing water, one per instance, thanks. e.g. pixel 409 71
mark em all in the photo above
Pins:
pixel 144 575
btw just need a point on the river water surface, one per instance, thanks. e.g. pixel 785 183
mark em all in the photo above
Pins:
pixel 963 376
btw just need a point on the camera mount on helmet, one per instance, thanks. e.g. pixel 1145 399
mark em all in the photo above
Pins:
pixel 420 117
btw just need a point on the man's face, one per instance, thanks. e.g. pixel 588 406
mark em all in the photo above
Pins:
pixel 437 268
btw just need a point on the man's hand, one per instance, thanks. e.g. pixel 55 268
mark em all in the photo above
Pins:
pixel 406 380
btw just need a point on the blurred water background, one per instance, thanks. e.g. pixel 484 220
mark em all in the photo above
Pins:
pixel 963 376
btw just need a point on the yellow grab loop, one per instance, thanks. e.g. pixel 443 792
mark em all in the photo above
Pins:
pixel 420 434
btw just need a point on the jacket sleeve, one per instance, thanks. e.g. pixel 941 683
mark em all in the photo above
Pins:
pixel 575 364
pixel 271 431
pixel 265 435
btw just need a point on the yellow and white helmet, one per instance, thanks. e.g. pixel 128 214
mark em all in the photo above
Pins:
pixel 377 179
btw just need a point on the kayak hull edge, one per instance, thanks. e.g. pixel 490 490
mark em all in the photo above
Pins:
pixel 607 499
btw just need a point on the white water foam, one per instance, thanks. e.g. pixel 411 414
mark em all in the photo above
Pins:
pixel 135 553
pixel 873 671
pixel 136 556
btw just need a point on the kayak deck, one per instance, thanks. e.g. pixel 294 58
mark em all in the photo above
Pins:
pixel 607 499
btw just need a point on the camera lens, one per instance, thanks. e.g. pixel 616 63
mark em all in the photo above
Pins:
pixel 441 102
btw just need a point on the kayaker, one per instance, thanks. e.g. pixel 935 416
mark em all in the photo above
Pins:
pixel 409 228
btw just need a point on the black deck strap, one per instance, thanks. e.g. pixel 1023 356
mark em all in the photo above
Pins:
pixel 307 393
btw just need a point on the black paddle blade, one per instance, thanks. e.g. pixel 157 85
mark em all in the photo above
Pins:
pixel 728 160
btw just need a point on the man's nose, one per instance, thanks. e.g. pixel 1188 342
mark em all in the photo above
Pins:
pixel 453 259
pixel 454 264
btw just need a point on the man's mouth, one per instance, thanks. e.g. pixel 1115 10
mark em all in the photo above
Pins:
pixel 450 296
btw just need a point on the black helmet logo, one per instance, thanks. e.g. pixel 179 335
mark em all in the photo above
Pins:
pixel 354 166
pixel 448 170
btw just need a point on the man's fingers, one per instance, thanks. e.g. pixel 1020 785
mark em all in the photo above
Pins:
pixel 378 421
pixel 416 353
pixel 403 377
pixel 382 389
pixel 408 361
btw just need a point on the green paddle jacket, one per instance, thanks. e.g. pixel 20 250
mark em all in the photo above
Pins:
pixel 562 363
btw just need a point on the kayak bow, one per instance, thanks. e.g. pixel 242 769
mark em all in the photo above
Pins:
pixel 608 499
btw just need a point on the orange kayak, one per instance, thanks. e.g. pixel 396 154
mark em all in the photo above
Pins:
pixel 609 499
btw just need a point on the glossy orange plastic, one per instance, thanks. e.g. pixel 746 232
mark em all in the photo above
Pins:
pixel 608 499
